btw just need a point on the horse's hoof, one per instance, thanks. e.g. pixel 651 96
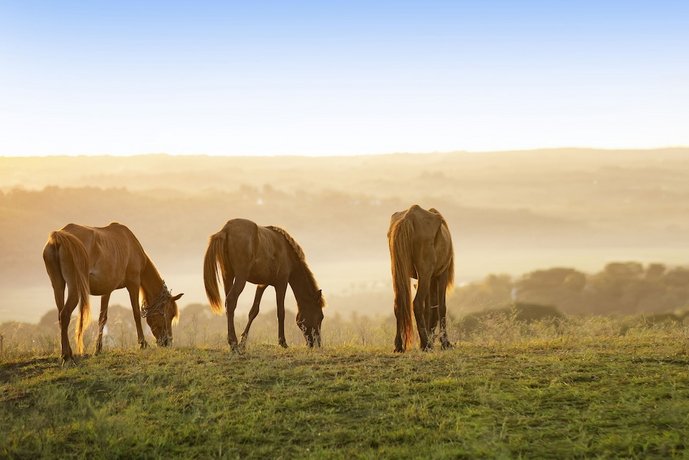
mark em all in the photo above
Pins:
pixel 68 361
pixel 283 344
pixel 143 345
pixel 446 346
pixel 399 350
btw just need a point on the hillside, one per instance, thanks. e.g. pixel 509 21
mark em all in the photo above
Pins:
pixel 563 397
pixel 509 212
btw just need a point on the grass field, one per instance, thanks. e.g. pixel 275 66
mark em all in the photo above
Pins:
pixel 563 397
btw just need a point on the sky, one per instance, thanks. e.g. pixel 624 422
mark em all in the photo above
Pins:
pixel 340 77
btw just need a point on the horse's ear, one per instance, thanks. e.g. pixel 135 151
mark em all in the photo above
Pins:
pixel 178 296
pixel 320 294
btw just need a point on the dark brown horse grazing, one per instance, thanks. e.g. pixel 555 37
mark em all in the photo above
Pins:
pixel 263 256
pixel 97 261
pixel 421 248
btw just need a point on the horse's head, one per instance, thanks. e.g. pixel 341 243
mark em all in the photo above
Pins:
pixel 160 318
pixel 309 320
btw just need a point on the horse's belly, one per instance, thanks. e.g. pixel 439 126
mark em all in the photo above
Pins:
pixel 258 279
pixel 100 286
pixel 262 277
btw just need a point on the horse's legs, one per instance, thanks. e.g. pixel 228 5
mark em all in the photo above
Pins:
pixel 103 318
pixel 432 308
pixel 65 316
pixel 230 306
pixel 399 344
pixel 59 293
pixel 134 299
pixel 253 313
pixel 419 313
pixel 442 311
pixel 280 291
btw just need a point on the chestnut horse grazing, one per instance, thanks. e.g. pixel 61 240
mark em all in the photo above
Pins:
pixel 421 248
pixel 97 261
pixel 263 256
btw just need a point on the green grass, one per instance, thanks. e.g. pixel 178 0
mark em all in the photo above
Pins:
pixel 592 397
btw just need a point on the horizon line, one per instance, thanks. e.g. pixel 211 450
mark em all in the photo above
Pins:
pixel 371 154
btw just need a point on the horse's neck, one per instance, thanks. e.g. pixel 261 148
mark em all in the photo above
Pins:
pixel 151 282
pixel 301 283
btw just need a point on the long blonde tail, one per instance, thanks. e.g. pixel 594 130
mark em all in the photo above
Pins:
pixel 214 255
pixel 78 258
pixel 400 255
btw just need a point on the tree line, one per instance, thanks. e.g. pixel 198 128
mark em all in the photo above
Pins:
pixel 621 288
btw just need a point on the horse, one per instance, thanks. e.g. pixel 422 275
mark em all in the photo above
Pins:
pixel 265 256
pixel 421 248
pixel 97 261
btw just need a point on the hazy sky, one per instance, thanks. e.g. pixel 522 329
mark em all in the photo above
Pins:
pixel 340 77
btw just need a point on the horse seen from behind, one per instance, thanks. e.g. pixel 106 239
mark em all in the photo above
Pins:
pixel 265 256
pixel 420 248
pixel 97 261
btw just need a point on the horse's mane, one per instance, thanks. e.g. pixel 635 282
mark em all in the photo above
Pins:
pixel 110 237
pixel 295 246
pixel 149 271
pixel 299 252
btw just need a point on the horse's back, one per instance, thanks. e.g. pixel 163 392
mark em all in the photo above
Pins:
pixel 240 226
pixel 428 232
pixel 83 233
pixel 114 254
pixel 241 238
pixel 120 234
pixel 425 223
pixel 250 233
pixel 114 235
pixel 240 232
pixel 259 251
pixel 76 229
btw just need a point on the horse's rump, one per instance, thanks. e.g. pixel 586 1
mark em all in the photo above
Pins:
pixel 412 231
pixel 67 263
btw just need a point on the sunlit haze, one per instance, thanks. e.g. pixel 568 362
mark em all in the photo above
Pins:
pixel 332 78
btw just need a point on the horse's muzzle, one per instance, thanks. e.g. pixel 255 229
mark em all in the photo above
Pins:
pixel 313 340
pixel 164 342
